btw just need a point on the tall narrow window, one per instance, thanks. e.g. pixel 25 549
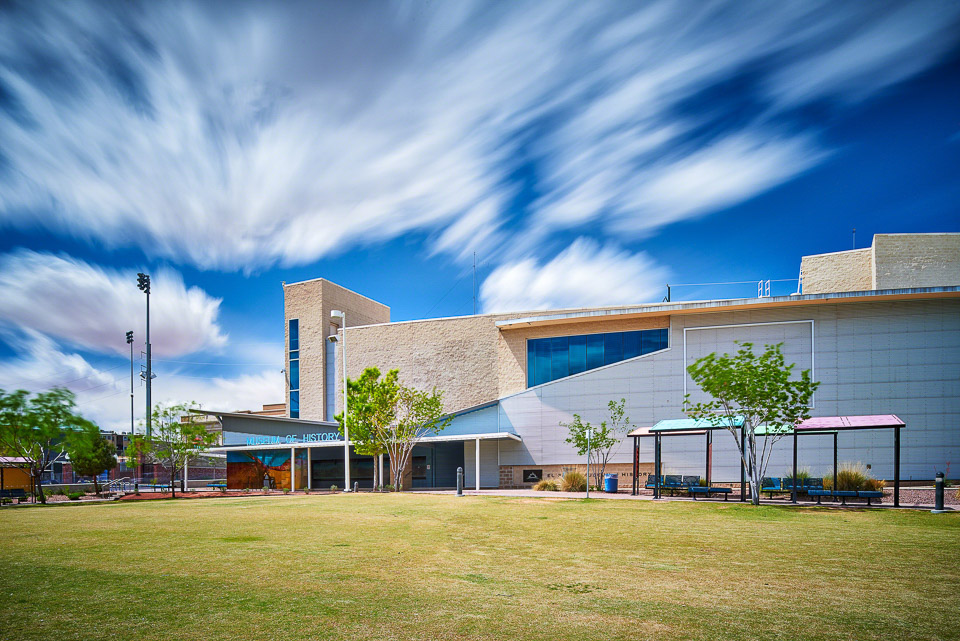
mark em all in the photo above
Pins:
pixel 293 366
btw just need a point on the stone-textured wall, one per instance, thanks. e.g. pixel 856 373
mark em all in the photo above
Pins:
pixel 511 476
pixel 311 303
pixel 468 357
pixel 916 260
pixel 848 271
pixel 512 344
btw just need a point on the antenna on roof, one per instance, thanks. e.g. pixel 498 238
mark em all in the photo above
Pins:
pixel 474 283
pixel 854 238
pixel 666 299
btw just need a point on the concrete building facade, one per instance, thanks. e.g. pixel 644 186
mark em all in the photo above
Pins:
pixel 878 327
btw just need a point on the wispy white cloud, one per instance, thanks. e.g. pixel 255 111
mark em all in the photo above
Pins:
pixel 243 136
pixel 91 307
pixel 103 391
pixel 584 274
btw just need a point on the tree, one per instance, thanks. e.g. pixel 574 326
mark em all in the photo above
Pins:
pixel 418 414
pixel 172 442
pixel 372 404
pixel 90 453
pixel 35 428
pixel 758 389
pixel 604 441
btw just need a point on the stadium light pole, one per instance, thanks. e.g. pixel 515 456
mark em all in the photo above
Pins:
pixel 343 363
pixel 130 343
pixel 143 282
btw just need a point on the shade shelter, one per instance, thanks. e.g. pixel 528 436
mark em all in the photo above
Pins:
pixel 825 425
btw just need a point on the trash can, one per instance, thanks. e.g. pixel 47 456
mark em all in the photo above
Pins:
pixel 610 483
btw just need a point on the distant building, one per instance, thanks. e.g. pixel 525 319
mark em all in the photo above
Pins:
pixel 879 328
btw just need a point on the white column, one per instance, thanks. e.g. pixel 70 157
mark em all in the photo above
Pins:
pixel 186 466
pixel 477 468
pixel 309 468
pixel 293 469
pixel 381 471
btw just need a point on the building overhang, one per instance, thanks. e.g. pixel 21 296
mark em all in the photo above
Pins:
pixel 441 438
pixel 734 304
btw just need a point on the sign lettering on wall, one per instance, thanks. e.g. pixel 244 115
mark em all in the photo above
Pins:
pixel 293 439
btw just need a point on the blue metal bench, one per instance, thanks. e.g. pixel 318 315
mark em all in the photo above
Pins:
pixel 770 485
pixel 870 495
pixel 710 490
pixel 221 486
pixel 16 493
pixel 672 482
pixel 651 482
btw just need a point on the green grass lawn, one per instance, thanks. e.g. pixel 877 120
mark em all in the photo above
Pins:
pixel 438 567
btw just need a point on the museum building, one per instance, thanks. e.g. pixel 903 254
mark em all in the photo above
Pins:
pixel 878 327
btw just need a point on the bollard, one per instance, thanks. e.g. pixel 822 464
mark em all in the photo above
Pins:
pixel 356 486
pixel 938 497
pixel 459 481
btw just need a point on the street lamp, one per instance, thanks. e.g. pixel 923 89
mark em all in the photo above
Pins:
pixel 143 283
pixel 343 363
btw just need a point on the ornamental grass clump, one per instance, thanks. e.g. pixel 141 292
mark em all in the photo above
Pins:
pixel 547 485
pixel 852 477
pixel 574 482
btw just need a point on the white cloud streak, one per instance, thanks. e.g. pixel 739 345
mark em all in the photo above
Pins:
pixel 103 393
pixel 91 307
pixel 243 136
pixel 582 275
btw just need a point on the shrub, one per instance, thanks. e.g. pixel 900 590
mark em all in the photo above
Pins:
pixel 74 496
pixel 306 490
pixel 546 486
pixel 850 477
pixel 388 487
pixel 286 490
pixel 803 473
pixel 334 488
pixel 574 482
pixel 874 485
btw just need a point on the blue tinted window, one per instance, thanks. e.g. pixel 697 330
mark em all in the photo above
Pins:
pixel 594 351
pixel 294 374
pixel 631 344
pixel 294 355
pixel 559 358
pixel 543 362
pixel 578 354
pixel 612 348
pixel 551 358
pixel 294 404
pixel 294 334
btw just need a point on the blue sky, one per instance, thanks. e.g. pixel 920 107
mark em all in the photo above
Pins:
pixel 589 153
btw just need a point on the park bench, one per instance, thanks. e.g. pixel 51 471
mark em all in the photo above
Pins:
pixel 843 495
pixel 16 493
pixel 220 486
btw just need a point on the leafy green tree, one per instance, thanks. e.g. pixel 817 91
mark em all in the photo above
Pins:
pixel 35 428
pixel 173 442
pixel 90 453
pixel 760 390
pixel 372 403
pixel 604 440
pixel 418 414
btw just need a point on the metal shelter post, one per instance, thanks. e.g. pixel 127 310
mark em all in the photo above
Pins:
pixel 709 455
pixel 656 466
pixel 896 467
pixel 636 464
pixel 793 493
pixel 835 451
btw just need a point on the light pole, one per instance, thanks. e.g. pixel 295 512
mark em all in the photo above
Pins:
pixel 130 343
pixel 343 363
pixel 143 282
